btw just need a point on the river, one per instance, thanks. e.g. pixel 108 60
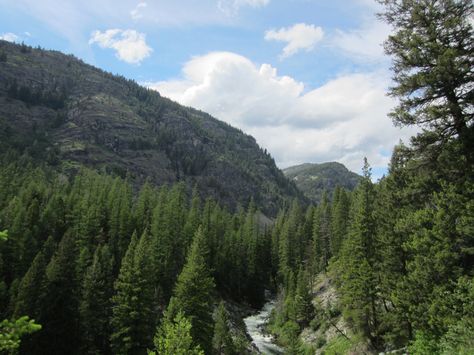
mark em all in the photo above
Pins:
pixel 255 324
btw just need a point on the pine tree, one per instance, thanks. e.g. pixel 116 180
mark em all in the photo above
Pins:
pixel 356 268
pixel 339 220
pixel 222 340
pixel 30 290
pixel 433 54
pixel 323 232
pixel 193 294
pixel 133 313
pixel 304 309
pixel 288 260
pixel 11 333
pixel 95 306
pixel 144 208
pixel 174 338
pixel 59 316
pixel 193 219
pixel 254 289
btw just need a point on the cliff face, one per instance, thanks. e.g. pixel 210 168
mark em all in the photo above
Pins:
pixel 70 114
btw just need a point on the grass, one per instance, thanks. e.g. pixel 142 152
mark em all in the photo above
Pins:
pixel 337 346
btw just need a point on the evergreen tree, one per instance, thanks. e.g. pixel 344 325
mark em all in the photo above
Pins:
pixel 193 294
pixel 356 268
pixel 433 54
pixel 288 260
pixel 323 232
pixel 59 316
pixel 174 338
pixel 193 219
pixel 11 333
pixel 133 313
pixel 254 289
pixel 222 340
pixel 95 307
pixel 339 220
pixel 304 309
pixel 30 290
pixel 144 208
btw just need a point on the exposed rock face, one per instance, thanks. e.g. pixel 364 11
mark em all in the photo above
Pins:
pixel 68 113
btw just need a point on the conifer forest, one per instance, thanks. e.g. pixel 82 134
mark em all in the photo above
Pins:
pixel 102 255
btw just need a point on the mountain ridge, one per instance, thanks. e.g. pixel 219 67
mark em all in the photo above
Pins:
pixel 312 178
pixel 71 114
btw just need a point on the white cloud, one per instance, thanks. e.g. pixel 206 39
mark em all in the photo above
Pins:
pixel 232 7
pixel 364 43
pixel 73 20
pixel 136 13
pixel 343 120
pixel 130 45
pixel 10 37
pixel 298 37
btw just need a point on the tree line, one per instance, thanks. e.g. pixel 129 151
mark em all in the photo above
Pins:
pixel 401 251
pixel 101 267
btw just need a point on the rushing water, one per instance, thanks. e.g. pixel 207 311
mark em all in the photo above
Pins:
pixel 255 324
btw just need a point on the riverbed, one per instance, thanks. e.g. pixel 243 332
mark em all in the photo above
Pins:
pixel 255 328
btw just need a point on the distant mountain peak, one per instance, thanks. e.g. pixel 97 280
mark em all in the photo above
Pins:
pixel 312 179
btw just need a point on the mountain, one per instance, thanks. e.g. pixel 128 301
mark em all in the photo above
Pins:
pixel 313 179
pixel 70 114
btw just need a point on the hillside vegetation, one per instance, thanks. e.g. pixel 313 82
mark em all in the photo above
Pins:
pixel 106 262
pixel 314 179
pixel 70 114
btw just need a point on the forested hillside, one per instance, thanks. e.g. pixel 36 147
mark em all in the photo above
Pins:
pixel 99 263
pixel 60 110
pixel 400 252
pixel 97 267
pixel 314 179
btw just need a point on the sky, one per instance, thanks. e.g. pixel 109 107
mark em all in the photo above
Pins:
pixel 307 78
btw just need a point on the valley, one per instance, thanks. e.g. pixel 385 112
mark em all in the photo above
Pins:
pixel 131 224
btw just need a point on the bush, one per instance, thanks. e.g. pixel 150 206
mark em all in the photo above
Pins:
pixel 423 344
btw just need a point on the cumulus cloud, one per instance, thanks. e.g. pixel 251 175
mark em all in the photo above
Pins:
pixel 298 37
pixel 232 7
pixel 342 120
pixel 10 37
pixel 130 46
pixel 137 13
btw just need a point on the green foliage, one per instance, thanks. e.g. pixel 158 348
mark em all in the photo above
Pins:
pixel 423 343
pixel 133 317
pixel 303 306
pixel 459 339
pixel 400 252
pixel 31 289
pixel 95 307
pixel 86 291
pixel 174 338
pixel 193 294
pixel 337 345
pixel 432 49
pixel 316 179
pixel 140 134
pixel 356 268
pixel 11 333
pixel 222 341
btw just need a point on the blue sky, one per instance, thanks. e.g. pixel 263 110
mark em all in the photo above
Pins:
pixel 307 78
